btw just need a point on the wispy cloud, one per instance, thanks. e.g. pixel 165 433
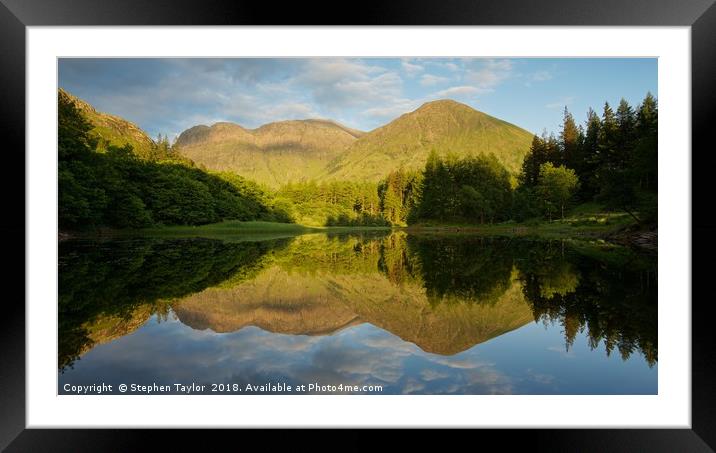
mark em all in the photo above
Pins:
pixel 536 77
pixel 458 91
pixel 410 68
pixel 292 110
pixel 337 84
pixel 430 80
pixel 488 74
pixel 392 110
pixel 442 64
pixel 168 95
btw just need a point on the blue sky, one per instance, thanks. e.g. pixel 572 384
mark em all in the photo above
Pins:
pixel 170 95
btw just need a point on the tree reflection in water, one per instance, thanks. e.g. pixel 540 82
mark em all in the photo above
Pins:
pixel 443 293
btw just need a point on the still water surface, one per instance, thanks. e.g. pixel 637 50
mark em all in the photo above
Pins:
pixel 413 314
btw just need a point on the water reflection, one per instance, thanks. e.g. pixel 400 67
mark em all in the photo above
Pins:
pixel 108 289
pixel 404 310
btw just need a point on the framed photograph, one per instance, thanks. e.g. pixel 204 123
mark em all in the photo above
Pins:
pixel 442 218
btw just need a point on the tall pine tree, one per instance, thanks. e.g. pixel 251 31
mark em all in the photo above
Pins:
pixel 536 156
pixel 571 142
pixel 590 151
pixel 645 155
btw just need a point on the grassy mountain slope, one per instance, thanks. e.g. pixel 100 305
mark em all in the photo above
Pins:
pixel 446 126
pixel 113 130
pixel 281 152
pixel 273 154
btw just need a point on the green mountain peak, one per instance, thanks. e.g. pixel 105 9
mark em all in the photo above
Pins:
pixel 445 126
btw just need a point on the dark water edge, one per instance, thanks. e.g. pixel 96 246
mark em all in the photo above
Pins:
pixel 410 313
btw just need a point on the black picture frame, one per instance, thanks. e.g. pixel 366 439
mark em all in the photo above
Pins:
pixel 16 15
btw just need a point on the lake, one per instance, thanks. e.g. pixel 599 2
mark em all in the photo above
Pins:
pixel 369 313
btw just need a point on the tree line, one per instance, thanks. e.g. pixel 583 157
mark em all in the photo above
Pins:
pixel 332 203
pixel 611 160
pixel 105 185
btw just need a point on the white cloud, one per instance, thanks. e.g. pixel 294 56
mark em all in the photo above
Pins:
pixel 463 90
pixel 443 64
pixel 168 95
pixel 411 69
pixel 538 76
pixel 489 74
pixel 272 88
pixel 336 84
pixel 481 76
pixel 431 79
pixel 290 110
pixel 329 71
pixel 392 110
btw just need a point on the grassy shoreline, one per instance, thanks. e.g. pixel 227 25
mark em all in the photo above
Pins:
pixel 226 230
pixel 554 230
pixel 577 227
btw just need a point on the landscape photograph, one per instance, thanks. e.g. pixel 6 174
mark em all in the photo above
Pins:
pixel 357 226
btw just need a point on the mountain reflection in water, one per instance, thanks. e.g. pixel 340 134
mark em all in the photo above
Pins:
pixel 356 307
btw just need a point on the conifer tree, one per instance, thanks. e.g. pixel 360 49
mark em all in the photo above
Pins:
pixel 571 142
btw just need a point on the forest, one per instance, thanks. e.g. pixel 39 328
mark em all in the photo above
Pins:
pixel 611 160
pixel 105 185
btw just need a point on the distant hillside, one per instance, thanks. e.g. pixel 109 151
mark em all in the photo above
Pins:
pixel 273 154
pixel 445 126
pixel 293 151
pixel 303 150
pixel 113 130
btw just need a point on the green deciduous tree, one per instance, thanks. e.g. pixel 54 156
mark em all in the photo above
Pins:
pixel 556 187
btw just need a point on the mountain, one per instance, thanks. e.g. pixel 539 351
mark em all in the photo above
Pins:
pixel 445 126
pixel 277 153
pixel 273 154
pixel 113 130
pixel 303 150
